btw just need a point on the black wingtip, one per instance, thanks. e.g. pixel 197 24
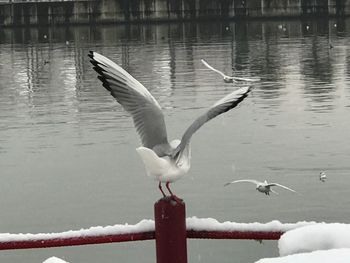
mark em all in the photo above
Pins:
pixel 105 83
pixel 91 54
pixel 94 62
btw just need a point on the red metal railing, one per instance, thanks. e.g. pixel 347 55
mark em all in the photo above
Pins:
pixel 169 232
pixel 257 235
pixel 150 235
pixel 75 241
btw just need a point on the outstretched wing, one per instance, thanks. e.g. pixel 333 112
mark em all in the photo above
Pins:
pixel 243 181
pixel 225 104
pixel 135 99
pixel 214 69
pixel 228 78
pixel 246 79
pixel 285 187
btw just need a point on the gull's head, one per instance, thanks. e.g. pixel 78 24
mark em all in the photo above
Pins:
pixel 175 143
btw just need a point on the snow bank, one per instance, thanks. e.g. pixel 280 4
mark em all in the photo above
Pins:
pixel 54 260
pixel 320 256
pixel 315 237
pixel 142 226
pixel 211 224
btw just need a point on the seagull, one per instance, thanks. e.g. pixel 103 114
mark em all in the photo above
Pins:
pixel 165 161
pixel 323 176
pixel 227 79
pixel 263 187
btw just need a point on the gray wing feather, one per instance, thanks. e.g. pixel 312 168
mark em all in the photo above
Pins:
pixel 225 104
pixel 135 99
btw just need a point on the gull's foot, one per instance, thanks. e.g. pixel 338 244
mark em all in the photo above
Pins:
pixel 173 199
pixel 176 199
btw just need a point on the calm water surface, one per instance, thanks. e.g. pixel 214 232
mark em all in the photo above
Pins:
pixel 67 149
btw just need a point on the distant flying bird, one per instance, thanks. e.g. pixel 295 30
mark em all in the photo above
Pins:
pixel 163 160
pixel 323 176
pixel 263 187
pixel 227 79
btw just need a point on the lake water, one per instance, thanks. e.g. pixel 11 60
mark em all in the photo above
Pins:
pixel 67 148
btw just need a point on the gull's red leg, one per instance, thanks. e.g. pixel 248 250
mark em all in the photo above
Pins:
pixel 171 193
pixel 160 188
pixel 167 186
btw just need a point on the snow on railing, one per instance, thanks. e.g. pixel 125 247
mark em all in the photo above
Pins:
pixel 145 230
pixel 171 229
pixel 212 229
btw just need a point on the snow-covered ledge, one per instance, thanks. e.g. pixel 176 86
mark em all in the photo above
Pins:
pixel 320 256
pixel 321 243
pixel 315 237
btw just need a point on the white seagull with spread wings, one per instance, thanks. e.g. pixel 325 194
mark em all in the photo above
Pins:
pixel 165 161
pixel 228 79
pixel 263 187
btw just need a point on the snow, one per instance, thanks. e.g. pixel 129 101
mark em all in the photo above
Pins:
pixel 211 224
pixel 147 225
pixel 326 242
pixel 54 260
pixel 320 256
pixel 143 226
pixel 315 237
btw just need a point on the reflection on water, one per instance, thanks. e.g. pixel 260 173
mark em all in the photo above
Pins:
pixel 67 148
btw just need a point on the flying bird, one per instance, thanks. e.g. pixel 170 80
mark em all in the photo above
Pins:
pixel 165 161
pixel 263 187
pixel 227 79
pixel 323 176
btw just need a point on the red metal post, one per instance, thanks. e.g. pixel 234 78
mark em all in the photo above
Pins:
pixel 170 228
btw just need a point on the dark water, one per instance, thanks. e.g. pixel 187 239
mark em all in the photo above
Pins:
pixel 67 149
